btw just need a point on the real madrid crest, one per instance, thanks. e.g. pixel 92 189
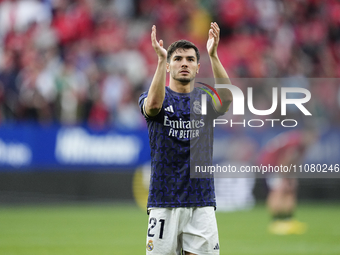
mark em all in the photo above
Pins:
pixel 149 246
pixel 197 107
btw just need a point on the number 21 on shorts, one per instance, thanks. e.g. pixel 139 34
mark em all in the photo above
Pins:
pixel 152 223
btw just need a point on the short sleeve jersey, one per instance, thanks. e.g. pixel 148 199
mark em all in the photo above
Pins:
pixel 180 135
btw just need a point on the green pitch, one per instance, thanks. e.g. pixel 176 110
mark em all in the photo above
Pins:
pixel 121 229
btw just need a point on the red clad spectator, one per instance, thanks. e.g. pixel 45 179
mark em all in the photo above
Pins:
pixel 72 22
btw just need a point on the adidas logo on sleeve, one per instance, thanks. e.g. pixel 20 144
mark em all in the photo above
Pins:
pixel 169 109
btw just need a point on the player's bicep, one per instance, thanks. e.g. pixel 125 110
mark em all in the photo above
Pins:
pixel 214 108
pixel 148 111
pixel 220 108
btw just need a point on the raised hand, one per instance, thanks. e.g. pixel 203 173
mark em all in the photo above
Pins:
pixel 214 38
pixel 158 46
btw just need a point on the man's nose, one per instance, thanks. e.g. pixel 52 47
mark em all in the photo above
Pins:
pixel 184 63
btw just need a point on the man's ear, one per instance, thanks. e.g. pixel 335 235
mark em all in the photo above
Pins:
pixel 198 67
pixel 167 67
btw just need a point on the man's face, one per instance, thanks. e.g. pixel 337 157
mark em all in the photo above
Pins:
pixel 183 65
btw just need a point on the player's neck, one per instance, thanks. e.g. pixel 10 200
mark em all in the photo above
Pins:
pixel 180 87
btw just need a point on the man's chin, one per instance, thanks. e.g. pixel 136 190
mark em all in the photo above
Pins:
pixel 184 79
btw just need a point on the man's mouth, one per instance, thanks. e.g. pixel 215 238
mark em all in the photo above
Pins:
pixel 184 72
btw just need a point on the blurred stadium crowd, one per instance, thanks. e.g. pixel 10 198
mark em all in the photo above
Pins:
pixel 87 61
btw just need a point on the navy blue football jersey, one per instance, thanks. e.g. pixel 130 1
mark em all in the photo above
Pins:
pixel 179 137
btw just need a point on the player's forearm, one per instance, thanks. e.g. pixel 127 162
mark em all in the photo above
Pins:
pixel 221 77
pixel 156 92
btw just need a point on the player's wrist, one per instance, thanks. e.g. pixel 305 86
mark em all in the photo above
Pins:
pixel 161 59
pixel 213 56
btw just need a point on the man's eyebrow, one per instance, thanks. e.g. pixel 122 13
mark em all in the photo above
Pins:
pixel 179 56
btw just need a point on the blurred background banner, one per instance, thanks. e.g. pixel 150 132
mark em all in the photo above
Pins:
pixel 29 147
pixel 32 147
pixel 232 145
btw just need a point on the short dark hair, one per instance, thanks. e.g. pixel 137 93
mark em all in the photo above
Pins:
pixel 181 44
